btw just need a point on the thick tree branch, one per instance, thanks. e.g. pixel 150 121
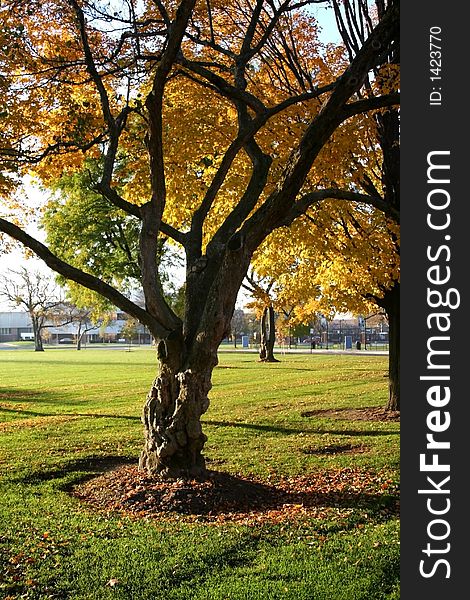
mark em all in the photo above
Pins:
pixel 110 194
pixel 133 209
pixel 244 138
pixel 311 198
pixel 261 165
pixel 174 234
pixel 367 104
pixel 223 86
pixel 85 279
pixel 152 212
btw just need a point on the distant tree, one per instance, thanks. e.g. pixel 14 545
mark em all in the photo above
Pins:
pixel 37 293
pixel 85 319
pixel 238 324
pixel 129 330
pixel 261 289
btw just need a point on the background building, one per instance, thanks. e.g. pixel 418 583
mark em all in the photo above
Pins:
pixel 17 326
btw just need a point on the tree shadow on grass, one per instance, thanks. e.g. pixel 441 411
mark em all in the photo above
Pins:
pixel 114 483
pixel 8 395
pixel 105 416
pixel 30 413
pixel 11 401
pixel 296 431
pixel 89 466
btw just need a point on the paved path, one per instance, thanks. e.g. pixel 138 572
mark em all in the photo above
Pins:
pixel 282 352
pixel 239 350
pixel 7 346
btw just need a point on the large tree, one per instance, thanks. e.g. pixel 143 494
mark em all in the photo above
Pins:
pixel 203 74
pixel 351 260
pixel 355 22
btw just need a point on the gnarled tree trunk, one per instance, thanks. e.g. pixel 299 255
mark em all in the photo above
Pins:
pixel 172 413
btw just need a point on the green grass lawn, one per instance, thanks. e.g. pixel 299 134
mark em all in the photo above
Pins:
pixel 61 410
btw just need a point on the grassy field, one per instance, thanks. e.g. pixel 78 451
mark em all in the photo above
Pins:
pixel 63 412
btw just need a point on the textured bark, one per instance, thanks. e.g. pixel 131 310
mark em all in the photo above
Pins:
pixel 187 356
pixel 268 336
pixel 172 414
pixel 173 433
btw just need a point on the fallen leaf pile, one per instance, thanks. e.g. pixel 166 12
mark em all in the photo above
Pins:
pixel 222 497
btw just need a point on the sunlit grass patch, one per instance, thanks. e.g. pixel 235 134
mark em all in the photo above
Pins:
pixel 67 416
